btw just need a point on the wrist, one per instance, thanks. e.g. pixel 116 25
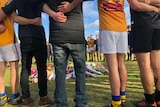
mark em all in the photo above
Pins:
pixel 71 6
pixel 53 14
pixel 31 21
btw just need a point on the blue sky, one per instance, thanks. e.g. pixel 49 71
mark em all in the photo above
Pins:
pixel 91 19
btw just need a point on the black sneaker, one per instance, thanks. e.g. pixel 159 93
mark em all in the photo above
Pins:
pixel 158 104
pixel 143 103
pixel 3 100
pixel 15 101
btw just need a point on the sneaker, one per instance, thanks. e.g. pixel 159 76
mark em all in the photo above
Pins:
pixel 110 105
pixel 158 104
pixel 15 101
pixel 45 101
pixel 143 103
pixel 27 101
pixel 3 100
pixel 123 103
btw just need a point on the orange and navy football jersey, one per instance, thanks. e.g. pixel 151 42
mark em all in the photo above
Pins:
pixel 111 15
pixel 6 37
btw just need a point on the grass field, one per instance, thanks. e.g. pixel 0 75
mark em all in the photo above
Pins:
pixel 98 89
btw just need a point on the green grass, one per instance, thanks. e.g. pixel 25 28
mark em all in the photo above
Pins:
pixel 98 89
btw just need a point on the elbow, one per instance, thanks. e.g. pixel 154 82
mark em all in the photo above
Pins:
pixel 135 5
pixel 15 19
pixel 136 8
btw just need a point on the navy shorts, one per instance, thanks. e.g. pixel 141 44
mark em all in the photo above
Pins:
pixel 145 39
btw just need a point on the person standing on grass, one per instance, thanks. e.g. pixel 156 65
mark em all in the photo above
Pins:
pixel 129 52
pixel 91 47
pixel 113 42
pixel 67 38
pixel 96 53
pixel 10 53
pixel 49 52
pixel 33 43
pixel 146 41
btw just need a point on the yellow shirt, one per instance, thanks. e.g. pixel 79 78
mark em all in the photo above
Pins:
pixel 7 37
pixel 111 15
pixel 91 44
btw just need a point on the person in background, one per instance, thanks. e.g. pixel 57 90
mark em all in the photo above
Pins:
pixel 91 47
pixel 96 53
pixel 67 38
pixel 49 52
pixel 113 42
pixel 33 43
pixel 146 40
pixel 129 52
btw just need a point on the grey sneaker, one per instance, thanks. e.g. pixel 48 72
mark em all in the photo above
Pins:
pixel 3 100
pixel 15 101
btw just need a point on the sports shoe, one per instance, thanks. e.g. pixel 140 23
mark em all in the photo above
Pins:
pixel 143 103
pixel 158 104
pixel 27 101
pixel 123 103
pixel 3 100
pixel 45 101
pixel 15 101
pixel 110 105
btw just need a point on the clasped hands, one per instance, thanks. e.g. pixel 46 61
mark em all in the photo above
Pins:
pixel 63 8
pixel 57 16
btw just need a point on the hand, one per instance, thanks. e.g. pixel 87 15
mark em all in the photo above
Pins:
pixel 2 28
pixel 158 10
pixel 65 7
pixel 37 21
pixel 59 17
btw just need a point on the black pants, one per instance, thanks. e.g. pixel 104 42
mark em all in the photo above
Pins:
pixel 40 55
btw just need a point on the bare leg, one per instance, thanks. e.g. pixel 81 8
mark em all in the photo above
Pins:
pixel 155 63
pixel 122 72
pixel 14 76
pixel 145 72
pixel 114 78
pixel 2 73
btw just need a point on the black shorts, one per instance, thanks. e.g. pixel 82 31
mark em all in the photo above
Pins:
pixel 145 39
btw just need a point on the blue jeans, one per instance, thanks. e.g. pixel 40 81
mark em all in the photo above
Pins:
pixel 78 53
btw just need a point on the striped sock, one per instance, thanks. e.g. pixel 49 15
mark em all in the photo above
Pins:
pixel 116 101
pixel 123 96
pixel 3 96
pixel 15 95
